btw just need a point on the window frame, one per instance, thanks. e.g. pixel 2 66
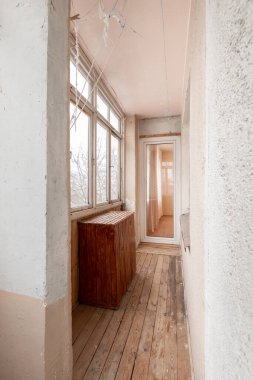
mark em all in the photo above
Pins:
pixel 108 143
pixel 90 108
pixel 90 133
pixel 112 134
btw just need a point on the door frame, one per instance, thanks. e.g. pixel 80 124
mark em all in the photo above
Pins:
pixel 175 140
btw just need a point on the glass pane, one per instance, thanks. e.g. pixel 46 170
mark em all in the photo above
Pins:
pixel 102 142
pixel 79 81
pixel 79 159
pixel 102 107
pixel 115 168
pixel 160 190
pixel 114 121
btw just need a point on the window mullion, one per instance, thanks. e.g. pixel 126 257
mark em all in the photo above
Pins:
pixel 94 161
pixel 109 166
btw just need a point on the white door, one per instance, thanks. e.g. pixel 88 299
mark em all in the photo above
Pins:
pixel 160 189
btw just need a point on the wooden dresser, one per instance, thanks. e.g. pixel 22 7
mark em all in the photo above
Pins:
pixel 107 258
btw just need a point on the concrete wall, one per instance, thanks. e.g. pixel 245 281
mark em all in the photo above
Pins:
pixel 160 125
pixel 185 168
pixel 229 261
pixel 193 141
pixel 132 170
pixel 35 325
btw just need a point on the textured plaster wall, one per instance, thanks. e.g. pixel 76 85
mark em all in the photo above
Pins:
pixel 185 169
pixel 229 267
pixel 34 199
pixel 160 125
pixel 33 135
pixel 193 140
pixel 23 139
pixel 132 170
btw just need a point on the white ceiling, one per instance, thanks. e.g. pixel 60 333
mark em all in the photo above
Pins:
pixel 146 77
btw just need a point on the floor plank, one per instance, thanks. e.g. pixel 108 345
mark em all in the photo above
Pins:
pixel 158 249
pixel 112 363
pixel 129 354
pixel 146 338
pixel 157 351
pixel 170 338
pixel 96 366
pixel 165 227
pixel 183 362
pixel 141 364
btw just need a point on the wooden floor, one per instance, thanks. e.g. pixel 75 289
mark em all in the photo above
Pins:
pixel 165 228
pixel 146 338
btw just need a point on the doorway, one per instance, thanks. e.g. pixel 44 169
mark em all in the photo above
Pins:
pixel 160 190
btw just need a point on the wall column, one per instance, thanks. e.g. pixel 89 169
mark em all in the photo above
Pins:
pixel 229 263
pixel 35 319
pixel 131 170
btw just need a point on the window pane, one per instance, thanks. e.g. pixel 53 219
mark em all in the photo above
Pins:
pixel 102 140
pixel 79 159
pixel 115 168
pixel 114 121
pixel 79 81
pixel 102 107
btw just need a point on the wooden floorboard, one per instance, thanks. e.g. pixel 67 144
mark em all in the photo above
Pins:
pixel 146 338
pixel 164 229
pixel 159 249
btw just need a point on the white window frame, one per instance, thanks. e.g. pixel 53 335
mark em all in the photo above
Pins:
pixel 90 108
pixel 144 142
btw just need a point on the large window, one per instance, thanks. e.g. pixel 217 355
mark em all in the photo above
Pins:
pixel 95 141
pixel 79 159
pixel 102 164
pixel 79 81
pixel 115 168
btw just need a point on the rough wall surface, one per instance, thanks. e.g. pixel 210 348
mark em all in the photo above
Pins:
pixel 193 262
pixel 131 170
pixel 23 147
pixel 33 131
pixel 185 169
pixel 229 268
pixel 34 193
pixel 160 125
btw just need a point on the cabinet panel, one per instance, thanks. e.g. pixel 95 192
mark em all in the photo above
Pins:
pixel 107 258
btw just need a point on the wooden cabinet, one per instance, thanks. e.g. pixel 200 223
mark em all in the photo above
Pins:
pixel 107 258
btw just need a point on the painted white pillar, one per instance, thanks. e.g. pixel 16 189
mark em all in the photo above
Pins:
pixel 131 170
pixel 229 261
pixel 34 197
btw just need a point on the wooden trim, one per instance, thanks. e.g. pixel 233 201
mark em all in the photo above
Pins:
pixel 75 215
pixel 161 135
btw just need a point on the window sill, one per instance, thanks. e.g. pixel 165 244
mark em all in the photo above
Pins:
pixel 74 215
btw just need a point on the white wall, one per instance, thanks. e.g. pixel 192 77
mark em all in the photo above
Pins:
pixel 193 161
pixel 160 125
pixel 229 260
pixel 132 170
pixel 185 168
pixel 23 146
pixel 218 271
pixel 35 322
pixel 34 215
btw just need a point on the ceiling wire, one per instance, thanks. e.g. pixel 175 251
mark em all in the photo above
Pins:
pixel 165 55
pixel 98 79
pixel 90 11
pixel 123 25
